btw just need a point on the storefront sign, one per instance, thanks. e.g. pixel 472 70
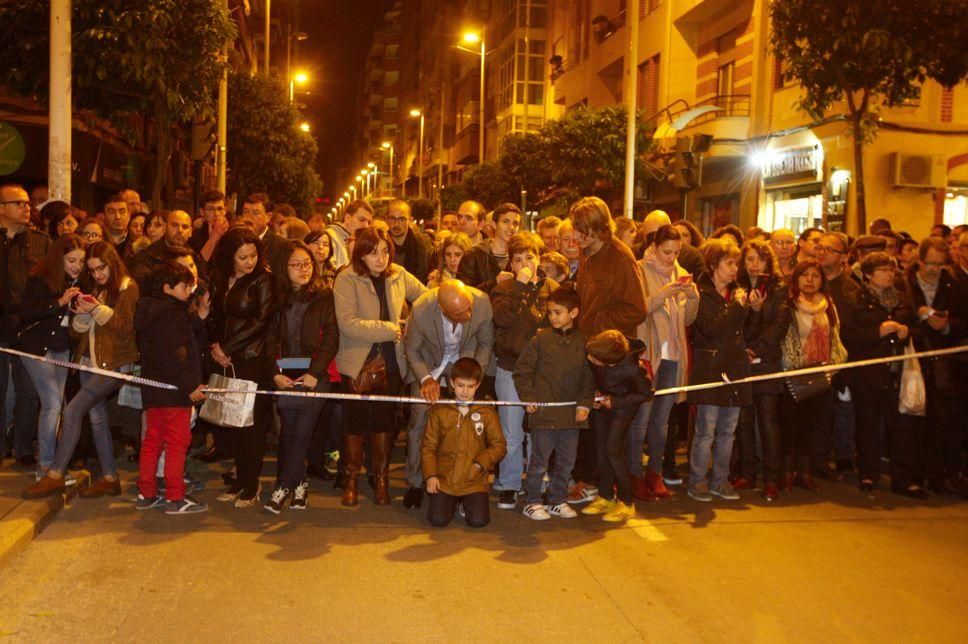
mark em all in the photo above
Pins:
pixel 789 165
pixel 12 149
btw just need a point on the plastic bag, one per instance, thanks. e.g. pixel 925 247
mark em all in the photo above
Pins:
pixel 913 398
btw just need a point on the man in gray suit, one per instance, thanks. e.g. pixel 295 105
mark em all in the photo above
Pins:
pixel 446 323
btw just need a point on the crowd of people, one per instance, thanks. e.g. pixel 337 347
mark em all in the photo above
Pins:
pixel 578 324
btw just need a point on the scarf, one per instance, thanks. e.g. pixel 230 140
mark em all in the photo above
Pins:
pixel 814 327
pixel 888 298
pixel 671 304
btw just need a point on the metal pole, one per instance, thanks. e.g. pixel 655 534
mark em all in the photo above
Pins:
pixel 391 170
pixel 631 19
pixel 481 135
pixel 268 22
pixel 59 132
pixel 420 167
pixel 440 156
pixel 527 62
pixel 223 111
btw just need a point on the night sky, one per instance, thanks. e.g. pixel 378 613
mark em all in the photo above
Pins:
pixel 340 33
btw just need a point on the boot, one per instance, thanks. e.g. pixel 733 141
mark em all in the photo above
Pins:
pixel 353 453
pixel 380 446
pixel 657 485
pixel 641 489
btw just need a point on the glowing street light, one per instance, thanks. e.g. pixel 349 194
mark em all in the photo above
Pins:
pixel 299 78
pixel 304 126
pixel 474 38
pixel 386 145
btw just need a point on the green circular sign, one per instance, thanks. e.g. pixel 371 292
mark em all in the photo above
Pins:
pixel 12 149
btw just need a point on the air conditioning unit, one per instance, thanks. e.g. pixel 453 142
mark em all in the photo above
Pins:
pixel 918 170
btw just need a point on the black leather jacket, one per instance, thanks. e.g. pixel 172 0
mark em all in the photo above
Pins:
pixel 240 316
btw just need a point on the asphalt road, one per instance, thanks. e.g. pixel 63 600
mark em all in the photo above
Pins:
pixel 834 566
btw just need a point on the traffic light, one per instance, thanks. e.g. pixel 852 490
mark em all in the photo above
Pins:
pixel 685 171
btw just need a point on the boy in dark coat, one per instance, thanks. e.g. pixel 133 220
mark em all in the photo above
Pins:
pixel 169 354
pixel 554 368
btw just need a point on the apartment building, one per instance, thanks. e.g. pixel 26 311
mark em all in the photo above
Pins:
pixel 704 68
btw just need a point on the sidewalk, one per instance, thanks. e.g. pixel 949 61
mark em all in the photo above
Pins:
pixel 20 520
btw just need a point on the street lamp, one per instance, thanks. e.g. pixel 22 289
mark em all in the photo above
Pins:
pixel 365 182
pixel 299 78
pixel 304 126
pixel 420 169
pixel 473 38
pixel 386 145
pixel 374 177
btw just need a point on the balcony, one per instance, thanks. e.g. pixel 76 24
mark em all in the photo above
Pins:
pixel 699 11
pixel 467 145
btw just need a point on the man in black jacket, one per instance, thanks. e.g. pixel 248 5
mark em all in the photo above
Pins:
pixel 412 247
pixel 143 264
pixel 256 214
pixel 20 249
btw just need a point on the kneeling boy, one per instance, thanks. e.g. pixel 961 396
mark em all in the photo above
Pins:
pixel 460 444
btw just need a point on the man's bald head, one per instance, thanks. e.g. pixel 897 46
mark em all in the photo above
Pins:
pixel 455 300
pixel 656 220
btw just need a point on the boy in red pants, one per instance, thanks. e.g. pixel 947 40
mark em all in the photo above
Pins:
pixel 169 354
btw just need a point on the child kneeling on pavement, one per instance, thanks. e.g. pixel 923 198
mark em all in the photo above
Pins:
pixel 553 367
pixel 169 354
pixel 461 443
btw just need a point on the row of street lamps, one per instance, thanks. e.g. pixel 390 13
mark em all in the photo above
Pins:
pixel 470 38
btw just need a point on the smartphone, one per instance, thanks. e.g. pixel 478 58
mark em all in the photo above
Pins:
pixel 685 279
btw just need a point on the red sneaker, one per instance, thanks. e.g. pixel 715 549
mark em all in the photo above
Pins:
pixel 641 489
pixel 771 492
pixel 742 483
pixel 659 489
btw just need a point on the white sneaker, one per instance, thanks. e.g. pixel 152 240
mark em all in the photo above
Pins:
pixel 561 510
pixel 535 511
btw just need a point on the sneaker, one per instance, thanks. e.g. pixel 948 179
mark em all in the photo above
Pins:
pixel 299 496
pixel 331 462
pixel 724 491
pixel 70 479
pixel 188 505
pixel 535 511
pixel 620 512
pixel 561 510
pixel 508 499
pixel 251 502
pixel 461 512
pixel 582 493
pixel 743 483
pixel 229 496
pixel 771 492
pixel 276 500
pixel 149 502
pixel 193 486
pixel 601 505
pixel 700 492
pixel 671 478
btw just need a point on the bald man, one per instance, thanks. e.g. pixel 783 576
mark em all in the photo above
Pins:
pixel 689 258
pixel 143 264
pixel 446 323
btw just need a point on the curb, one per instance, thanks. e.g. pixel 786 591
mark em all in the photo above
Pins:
pixel 19 526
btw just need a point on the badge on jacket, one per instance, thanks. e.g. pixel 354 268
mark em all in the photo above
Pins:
pixel 478 424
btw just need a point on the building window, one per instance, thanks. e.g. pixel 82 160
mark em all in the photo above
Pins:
pixel 390 104
pixel 392 51
pixel 391 78
pixel 389 131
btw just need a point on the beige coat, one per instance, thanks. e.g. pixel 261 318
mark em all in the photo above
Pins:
pixel 358 315
pixel 655 329
pixel 106 334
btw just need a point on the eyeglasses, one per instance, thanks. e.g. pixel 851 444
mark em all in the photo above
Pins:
pixel 92 235
pixel 98 269
pixel 301 266
pixel 828 249
pixel 19 203
pixel 397 220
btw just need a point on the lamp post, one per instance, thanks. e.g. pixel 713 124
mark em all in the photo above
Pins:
pixel 300 78
pixel 365 182
pixel 386 145
pixel 420 169
pixel 373 178
pixel 473 38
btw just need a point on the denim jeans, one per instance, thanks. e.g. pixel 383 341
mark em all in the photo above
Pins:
pixel 564 444
pixel 89 400
pixel 49 383
pixel 295 434
pixel 512 421
pixel 19 398
pixel 652 422
pixel 415 434
pixel 715 427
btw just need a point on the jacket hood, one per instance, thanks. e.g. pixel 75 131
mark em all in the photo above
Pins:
pixel 155 307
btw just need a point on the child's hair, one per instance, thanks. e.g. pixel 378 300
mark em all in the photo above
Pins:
pixel 522 243
pixel 171 274
pixel 608 346
pixel 560 261
pixel 565 296
pixel 467 369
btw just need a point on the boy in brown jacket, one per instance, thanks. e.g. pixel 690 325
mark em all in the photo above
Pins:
pixel 460 444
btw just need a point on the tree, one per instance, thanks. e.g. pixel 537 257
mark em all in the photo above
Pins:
pixel 157 57
pixel 525 160
pixel 488 183
pixel 267 152
pixel 866 55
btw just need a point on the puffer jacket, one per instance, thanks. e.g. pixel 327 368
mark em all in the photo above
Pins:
pixel 519 310
pixel 240 316
pixel 452 444
pixel 106 334
pixel 627 382
pixel 554 368
pixel 719 347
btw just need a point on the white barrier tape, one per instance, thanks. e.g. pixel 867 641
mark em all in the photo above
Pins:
pixel 809 370
pixel 381 398
pixel 499 403
pixel 138 380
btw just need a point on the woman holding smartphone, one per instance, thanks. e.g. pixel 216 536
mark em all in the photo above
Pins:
pixel 671 300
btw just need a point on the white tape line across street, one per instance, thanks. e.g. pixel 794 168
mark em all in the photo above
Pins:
pixel 147 382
